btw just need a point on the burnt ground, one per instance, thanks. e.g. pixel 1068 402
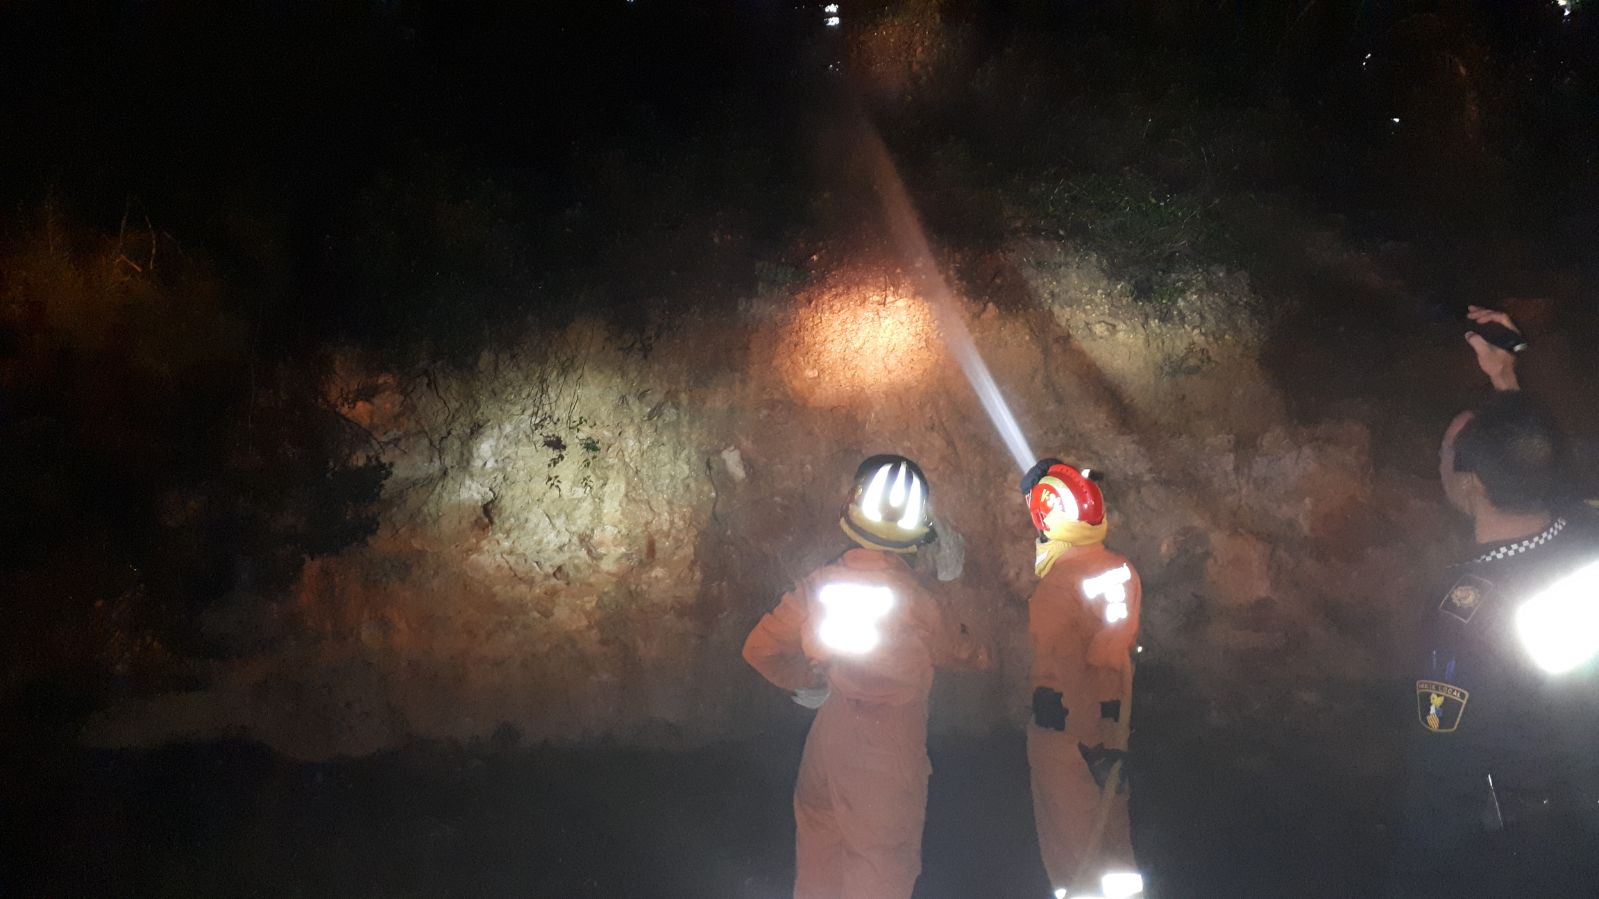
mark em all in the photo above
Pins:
pixel 1213 817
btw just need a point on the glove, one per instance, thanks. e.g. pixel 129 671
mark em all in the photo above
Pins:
pixel 1049 709
pixel 1036 474
pixel 812 697
pixel 1100 760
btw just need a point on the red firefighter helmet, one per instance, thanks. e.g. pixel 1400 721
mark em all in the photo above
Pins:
pixel 1065 494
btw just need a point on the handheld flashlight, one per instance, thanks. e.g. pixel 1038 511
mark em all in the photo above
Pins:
pixel 1497 335
pixel 1500 336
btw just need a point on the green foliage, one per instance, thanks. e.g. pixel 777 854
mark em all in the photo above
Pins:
pixel 1145 230
pixel 558 448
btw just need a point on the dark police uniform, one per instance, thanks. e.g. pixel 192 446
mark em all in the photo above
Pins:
pixel 1503 794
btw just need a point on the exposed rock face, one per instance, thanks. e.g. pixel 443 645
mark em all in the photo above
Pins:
pixel 579 533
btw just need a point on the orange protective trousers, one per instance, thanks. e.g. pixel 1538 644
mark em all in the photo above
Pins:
pixel 1079 654
pixel 861 796
pixel 859 804
pixel 1065 803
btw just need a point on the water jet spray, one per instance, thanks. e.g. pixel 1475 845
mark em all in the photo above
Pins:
pixel 911 241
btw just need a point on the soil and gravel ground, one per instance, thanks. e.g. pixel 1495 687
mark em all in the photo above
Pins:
pixel 1213 817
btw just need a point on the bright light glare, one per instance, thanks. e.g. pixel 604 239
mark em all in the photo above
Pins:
pixel 852 615
pixel 1110 586
pixel 873 499
pixel 1060 893
pixel 1122 884
pixel 831 9
pixel 907 492
pixel 1560 626
pixel 831 21
pixel 854 342
pixel 913 509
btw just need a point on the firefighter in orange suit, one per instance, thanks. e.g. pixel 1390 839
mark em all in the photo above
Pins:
pixel 858 640
pixel 1083 619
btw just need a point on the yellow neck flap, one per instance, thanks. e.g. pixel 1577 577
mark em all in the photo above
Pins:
pixel 1064 537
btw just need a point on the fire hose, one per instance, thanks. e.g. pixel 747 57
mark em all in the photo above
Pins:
pixel 1108 789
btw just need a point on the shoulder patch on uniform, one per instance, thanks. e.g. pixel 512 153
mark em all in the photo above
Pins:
pixel 1466 597
pixel 1440 705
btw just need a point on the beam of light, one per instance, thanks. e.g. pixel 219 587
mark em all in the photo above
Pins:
pixel 911 241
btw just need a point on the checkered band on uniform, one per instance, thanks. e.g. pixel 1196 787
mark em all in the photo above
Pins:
pixel 1533 542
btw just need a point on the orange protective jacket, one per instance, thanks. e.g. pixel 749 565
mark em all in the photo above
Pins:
pixel 785 649
pixel 861 796
pixel 1075 651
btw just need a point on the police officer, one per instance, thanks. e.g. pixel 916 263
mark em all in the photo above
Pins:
pixel 1503 749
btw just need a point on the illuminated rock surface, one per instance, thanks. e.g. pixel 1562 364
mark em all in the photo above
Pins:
pixel 577 535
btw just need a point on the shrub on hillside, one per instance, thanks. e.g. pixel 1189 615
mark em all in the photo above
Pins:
pixel 156 460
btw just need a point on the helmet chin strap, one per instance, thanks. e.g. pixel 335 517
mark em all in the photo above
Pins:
pixel 865 541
